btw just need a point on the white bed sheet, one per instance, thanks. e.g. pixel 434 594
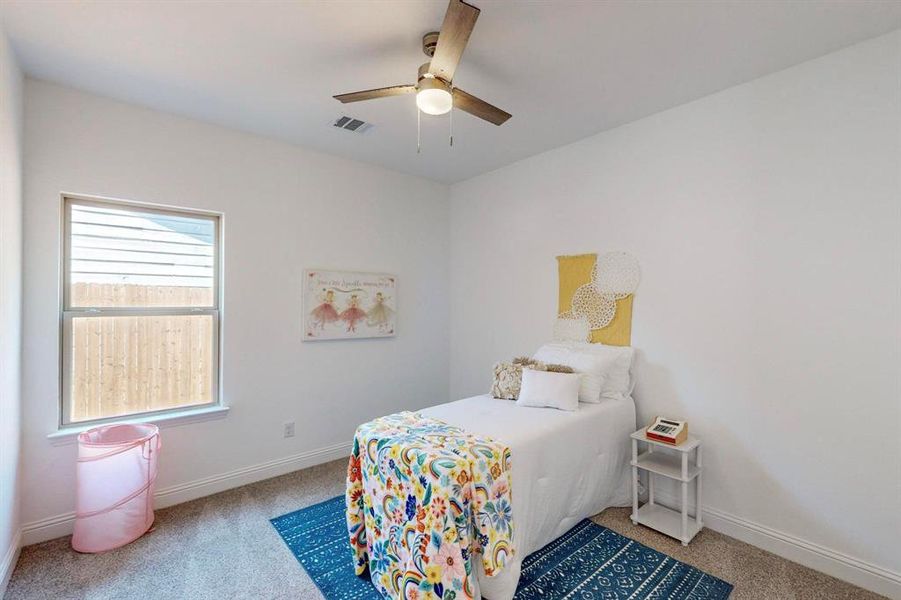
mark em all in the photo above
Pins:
pixel 565 466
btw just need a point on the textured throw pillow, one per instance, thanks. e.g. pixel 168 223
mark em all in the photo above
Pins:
pixel 549 389
pixel 508 375
pixel 507 380
pixel 526 361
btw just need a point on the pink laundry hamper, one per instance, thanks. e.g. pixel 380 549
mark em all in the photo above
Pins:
pixel 115 473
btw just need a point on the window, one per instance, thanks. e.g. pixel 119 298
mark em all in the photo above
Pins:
pixel 140 310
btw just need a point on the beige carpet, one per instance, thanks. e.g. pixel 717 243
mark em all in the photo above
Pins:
pixel 223 546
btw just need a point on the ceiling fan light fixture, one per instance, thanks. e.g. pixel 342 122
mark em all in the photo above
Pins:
pixel 434 101
pixel 434 97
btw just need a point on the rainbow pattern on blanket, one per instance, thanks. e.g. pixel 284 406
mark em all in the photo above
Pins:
pixel 423 498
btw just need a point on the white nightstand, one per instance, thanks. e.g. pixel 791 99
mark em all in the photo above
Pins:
pixel 674 466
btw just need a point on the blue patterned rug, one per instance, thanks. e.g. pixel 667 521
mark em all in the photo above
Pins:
pixel 588 561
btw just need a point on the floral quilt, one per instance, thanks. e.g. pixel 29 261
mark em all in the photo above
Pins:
pixel 424 500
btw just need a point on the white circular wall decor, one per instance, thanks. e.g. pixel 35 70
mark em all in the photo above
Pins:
pixel 569 328
pixel 598 308
pixel 616 274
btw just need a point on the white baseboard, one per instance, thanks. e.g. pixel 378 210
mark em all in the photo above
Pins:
pixel 817 557
pixel 9 561
pixel 61 525
pixel 809 554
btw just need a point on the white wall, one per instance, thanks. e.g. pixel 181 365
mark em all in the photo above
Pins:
pixel 767 221
pixel 10 303
pixel 285 209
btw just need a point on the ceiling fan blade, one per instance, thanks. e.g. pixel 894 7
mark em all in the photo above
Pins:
pixel 479 108
pixel 458 23
pixel 395 90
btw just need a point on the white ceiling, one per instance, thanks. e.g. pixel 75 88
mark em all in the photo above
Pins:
pixel 565 69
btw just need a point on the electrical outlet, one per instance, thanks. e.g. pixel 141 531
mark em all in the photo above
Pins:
pixel 289 429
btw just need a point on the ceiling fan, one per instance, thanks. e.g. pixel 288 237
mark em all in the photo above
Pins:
pixel 435 92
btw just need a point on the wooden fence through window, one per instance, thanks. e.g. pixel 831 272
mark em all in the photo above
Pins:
pixel 129 364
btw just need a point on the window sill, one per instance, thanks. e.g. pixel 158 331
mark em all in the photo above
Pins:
pixel 68 435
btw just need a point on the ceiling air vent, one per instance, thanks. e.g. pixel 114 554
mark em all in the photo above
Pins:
pixel 351 124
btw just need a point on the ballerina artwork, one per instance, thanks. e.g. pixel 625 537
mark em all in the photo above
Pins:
pixel 380 314
pixel 342 305
pixel 325 312
pixel 353 313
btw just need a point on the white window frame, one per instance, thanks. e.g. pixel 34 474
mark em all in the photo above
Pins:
pixel 67 312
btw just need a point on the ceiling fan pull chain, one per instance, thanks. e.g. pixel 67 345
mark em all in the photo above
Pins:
pixel 452 126
pixel 418 131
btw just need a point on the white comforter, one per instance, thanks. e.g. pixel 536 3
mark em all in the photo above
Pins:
pixel 566 466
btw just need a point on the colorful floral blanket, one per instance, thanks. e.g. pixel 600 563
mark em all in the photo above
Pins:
pixel 425 499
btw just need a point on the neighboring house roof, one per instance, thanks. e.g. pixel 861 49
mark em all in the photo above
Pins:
pixel 131 247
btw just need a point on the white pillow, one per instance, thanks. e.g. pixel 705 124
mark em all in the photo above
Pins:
pixel 618 384
pixel 591 368
pixel 611 365
pixel 546 388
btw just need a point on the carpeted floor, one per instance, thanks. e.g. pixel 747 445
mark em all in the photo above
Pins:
pixel 223 546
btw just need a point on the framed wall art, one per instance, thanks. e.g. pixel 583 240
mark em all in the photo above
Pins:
pixel 340 305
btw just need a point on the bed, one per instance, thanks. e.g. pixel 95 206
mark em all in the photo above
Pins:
pixel 565 466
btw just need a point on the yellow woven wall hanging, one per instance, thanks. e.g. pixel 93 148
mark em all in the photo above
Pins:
pixel 600 291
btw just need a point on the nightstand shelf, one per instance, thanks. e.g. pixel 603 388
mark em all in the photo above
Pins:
pixel 666 520
pixel 666 465
pixel 676 466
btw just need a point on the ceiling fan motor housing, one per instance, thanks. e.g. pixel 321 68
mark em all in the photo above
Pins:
pixel 426 80
pixel 429 41
pixel 432 83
